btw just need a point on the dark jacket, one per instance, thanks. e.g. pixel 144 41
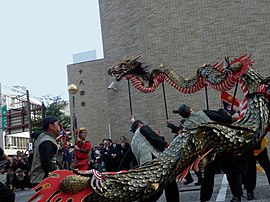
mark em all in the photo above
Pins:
pixel 220 116
pixel 156 141
pixel 174 128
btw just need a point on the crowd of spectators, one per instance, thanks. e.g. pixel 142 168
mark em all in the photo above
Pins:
pixel 103 157
pixel 107 155
pixel 15 174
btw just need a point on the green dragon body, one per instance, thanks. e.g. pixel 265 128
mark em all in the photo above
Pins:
pixel 185 151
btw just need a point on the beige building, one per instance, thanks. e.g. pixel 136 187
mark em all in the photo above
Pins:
pixel 182 35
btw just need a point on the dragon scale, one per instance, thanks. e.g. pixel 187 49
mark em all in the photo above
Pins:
pixel 185 151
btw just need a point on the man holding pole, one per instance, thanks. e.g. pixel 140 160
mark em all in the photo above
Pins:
pixel 147 145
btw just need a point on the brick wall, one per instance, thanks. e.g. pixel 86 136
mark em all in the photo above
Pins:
pixel 183 35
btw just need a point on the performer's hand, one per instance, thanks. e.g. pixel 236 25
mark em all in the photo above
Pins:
pixel 132 119
pixel 76 147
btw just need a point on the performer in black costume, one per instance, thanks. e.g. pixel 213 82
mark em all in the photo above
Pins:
pixel 232 166
pixel 260 154
pixel 145 146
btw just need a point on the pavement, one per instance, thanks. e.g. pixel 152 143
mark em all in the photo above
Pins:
pixel 191 193
pixel 222 193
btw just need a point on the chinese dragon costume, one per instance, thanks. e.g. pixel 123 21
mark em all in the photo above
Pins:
pixel 184 152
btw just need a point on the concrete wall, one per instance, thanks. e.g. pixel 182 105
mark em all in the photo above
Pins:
pixel 91 102
pixel 182 35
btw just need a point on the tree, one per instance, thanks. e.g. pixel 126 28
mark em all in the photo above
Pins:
pixel 56 106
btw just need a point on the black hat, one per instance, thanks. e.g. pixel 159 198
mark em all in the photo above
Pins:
pixel 183 110
pixel 47 121
pixel 135 125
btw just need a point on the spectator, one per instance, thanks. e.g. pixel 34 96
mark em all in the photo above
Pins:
pixel 3 175
pixel 19 154
pixel 124 145
pixel 116 156
pixel 11 178
pixel 107 154
pixel 95 152
pixel 99 165
pixel 25 167
pixel 101 147
pixel 7 195
pixel 20 180
pixel 67 156
pixel 15 164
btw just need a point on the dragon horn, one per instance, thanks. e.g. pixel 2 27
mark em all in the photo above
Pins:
pixel 124 59
pixel 113 65
pixel 161 65
pixel 242 56
pixel 248 58
pixel 238 59
pixel 136 57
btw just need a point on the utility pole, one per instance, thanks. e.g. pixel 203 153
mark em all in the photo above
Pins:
pixel 43 110
pixel 29 115
pixel 1 124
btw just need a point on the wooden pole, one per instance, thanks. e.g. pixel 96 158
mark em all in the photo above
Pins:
pixel 129 97
pixel 206 97
pixel 165 101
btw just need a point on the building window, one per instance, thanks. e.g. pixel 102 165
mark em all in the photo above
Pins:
pixel 82 92
pixel 83 104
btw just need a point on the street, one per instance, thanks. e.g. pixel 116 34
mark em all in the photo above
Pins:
pixel 191 193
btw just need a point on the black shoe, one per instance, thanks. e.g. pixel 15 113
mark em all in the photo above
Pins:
pixel 250 196
pixel 235 199
pixel 188 182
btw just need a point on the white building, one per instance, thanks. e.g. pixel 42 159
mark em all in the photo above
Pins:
pixel 84 56
pixel 14 131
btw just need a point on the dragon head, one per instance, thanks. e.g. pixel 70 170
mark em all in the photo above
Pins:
pixel 128 66
pixel 238 65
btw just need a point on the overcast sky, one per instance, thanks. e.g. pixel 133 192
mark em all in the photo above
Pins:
pixel 38 38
